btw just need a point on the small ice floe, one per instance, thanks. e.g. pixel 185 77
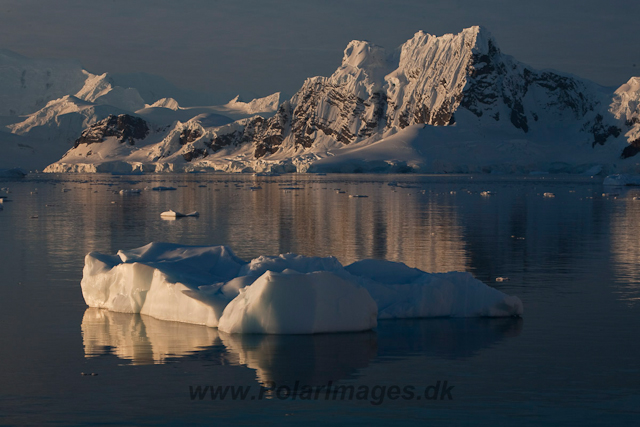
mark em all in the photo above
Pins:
pixel 171 214
pixel 614 195
pixel 501 279
pixel 131 191
pixel 487 193
pixel 550 195
pixel 13 173
pixel 340 191
pixel 594 170
pixel 160 188
pixel 622 180
pixel 357 196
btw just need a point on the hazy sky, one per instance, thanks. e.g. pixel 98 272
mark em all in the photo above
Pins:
pixel 257 47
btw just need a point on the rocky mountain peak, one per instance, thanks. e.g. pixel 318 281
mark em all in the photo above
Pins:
pixel 124 127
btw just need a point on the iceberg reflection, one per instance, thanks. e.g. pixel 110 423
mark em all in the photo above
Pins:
pixel 284 359
pixel 444 338
pixel 312 360
pixel 141 339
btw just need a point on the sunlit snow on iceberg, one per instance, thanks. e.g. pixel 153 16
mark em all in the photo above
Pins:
pixel 286 294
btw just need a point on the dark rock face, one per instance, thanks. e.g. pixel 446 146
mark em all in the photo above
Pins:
pixel 491 81
pixel 124 127
pixel 630 150
pixel 601 131
pixel 189 135
pixel 333 111
pixel 266 135
pixel 195 154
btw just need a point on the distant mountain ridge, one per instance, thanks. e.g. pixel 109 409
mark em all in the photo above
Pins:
pixel 45 104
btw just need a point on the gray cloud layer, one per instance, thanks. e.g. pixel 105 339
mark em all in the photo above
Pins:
pixel 256 47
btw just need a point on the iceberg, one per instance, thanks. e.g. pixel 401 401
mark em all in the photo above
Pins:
pixel 621 180
pixel 13 173
pixel 171 214
pixel 285 294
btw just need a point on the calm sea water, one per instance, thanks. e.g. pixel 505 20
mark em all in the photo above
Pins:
pixel 573 259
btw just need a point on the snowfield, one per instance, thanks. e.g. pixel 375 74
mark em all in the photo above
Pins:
pixel 286 294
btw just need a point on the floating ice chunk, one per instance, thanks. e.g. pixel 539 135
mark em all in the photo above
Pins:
pixel 294 303
pixel 592 171
pixel 13 173
pixel 173 214
pixel 131 191
pixel 279 294
pixel 163 188
pixel 622 180
pixel 549 195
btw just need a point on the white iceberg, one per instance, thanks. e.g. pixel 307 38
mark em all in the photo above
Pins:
pixel 173 214
pixel 287 294
pixel 622 180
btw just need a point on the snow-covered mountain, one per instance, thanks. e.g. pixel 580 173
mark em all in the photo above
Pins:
pixel 453 103
pixel 46 104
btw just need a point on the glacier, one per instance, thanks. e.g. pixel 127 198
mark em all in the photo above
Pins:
pixel 285 294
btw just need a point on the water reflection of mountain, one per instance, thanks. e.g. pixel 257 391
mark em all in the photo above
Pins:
pixel 285 359
pixel 435 224
pixel 402 224
pixel 625 244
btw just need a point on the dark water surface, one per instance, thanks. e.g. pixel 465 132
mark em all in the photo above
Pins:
pixel 573 259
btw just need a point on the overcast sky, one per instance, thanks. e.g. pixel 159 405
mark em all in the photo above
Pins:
pixel 257 47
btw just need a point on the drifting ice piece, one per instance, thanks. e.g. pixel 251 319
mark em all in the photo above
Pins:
pixel 288 294
pixel 622 180
pixel 174 214
pixel 13 173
